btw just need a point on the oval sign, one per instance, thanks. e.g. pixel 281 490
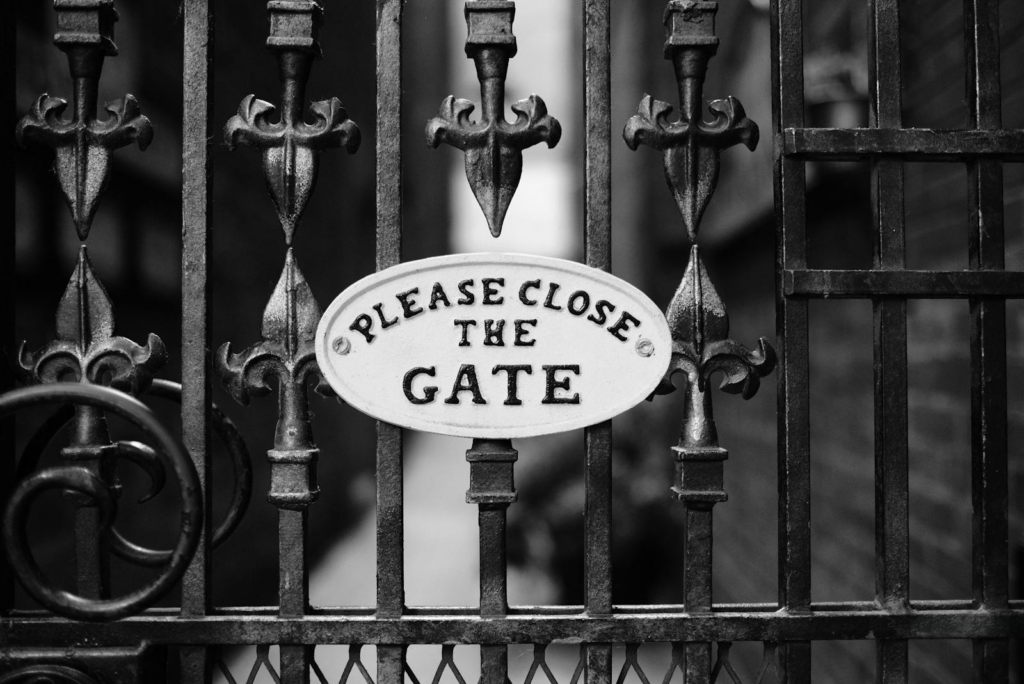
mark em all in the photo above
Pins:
pixel 493 345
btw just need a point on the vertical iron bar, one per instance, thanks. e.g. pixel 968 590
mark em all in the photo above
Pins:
pixel 988 343
pixel 92 555
pixel 598 151
pixel 598 249
pixel 293 588
pixel 493 587
pixel 390 513
pixel 197 132
pixel 791 329
pixel 389 120
pixel 697 574
pixel 892 529
pixel 7 308
pixel 492 489
pixel 92 547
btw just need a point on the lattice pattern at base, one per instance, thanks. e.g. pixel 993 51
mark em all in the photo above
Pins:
pixel 262 661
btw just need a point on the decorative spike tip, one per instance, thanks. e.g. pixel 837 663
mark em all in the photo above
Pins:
pixel 697 313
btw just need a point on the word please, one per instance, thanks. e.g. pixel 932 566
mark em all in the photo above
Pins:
pixel 556 386
pixel 491 292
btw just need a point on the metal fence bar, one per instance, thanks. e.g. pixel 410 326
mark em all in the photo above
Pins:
pixel 598 249
pixel 892 527
pixel 492 490
pixel 519 629
pixel 196 399
pixel 813 283
pixel 791 330
pixel 293 588
pixel 988 342
pixel 597 246
pixel 7 307
pixel 390 483
pixel 917 144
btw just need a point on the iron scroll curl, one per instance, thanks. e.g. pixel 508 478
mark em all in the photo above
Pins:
pixel 146 458
pixel 81 480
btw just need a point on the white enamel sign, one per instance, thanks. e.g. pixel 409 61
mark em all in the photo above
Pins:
pixel 493 345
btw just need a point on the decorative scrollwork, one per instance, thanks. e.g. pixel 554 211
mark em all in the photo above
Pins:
pixel 291 147
pixel 86 482
pixel 146 458
pixel 493 147
pixel 47 674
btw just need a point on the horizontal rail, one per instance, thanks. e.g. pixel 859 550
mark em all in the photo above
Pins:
pixel 811 283
pixel 526 629
pixel 914 144
pixel 549 610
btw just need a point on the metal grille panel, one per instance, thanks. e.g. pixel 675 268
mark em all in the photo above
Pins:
pixel 697 636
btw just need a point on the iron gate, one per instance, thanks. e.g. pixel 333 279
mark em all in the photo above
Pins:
pixel 124 639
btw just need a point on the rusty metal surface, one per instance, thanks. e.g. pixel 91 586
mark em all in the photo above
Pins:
pixel 696 315
pixel 290 149
pixel 196 231
pixel 701 632
pixel 391 658
pixel 528 624
pixel 989 431
pixel 791 326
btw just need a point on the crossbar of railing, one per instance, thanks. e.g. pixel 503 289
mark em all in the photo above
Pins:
pixel 776 626
pixel 910 144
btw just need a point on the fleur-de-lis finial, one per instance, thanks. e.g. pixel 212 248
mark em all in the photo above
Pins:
pixel 696 316
pixel 691 147
pixel 701 346
pixel 287 352
pixel 83 145
pixel 86 347
pixel 493 147
pixel 291 147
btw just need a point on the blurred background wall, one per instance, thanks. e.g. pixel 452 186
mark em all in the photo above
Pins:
pixel 135 248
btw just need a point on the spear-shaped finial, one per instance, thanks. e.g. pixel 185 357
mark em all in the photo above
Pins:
pixel 691 147
pixel 291 147
pixel 493 147
pixel 84 145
